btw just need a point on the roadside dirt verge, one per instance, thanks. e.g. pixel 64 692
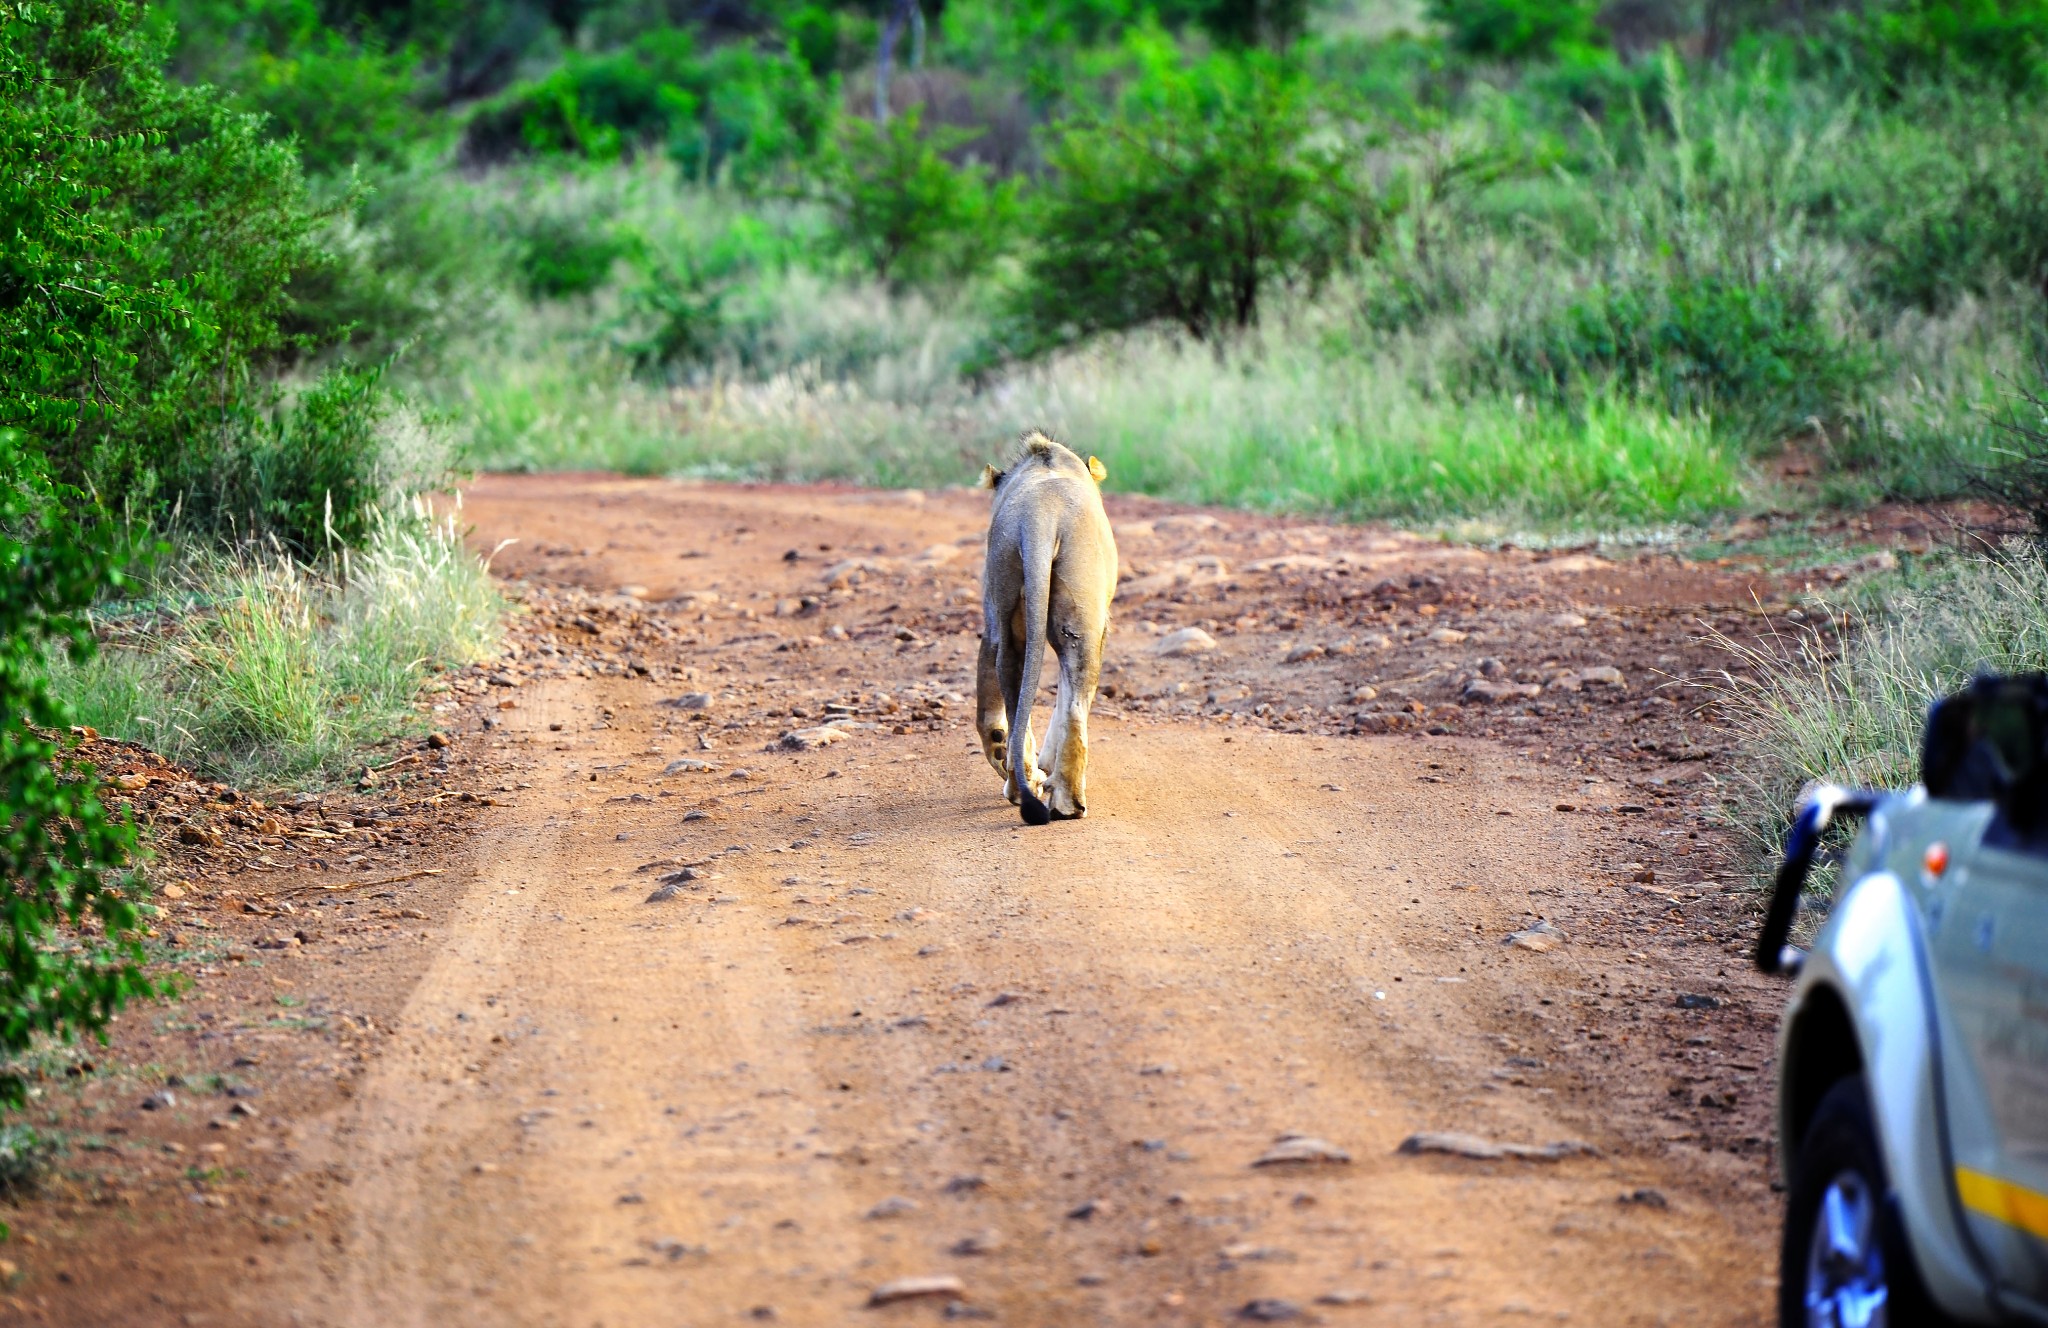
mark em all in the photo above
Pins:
pixel 703 1022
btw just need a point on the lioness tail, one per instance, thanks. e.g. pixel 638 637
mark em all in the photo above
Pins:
pixel 1037 557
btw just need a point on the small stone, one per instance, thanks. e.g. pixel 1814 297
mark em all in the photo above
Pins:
pixel 1344 1298
pixel 917 1288
pixel 965 1184
pixel 979 1242
pixel 1449 636
pixel 1568 620
pixel 173 891
pixel 1008 998
pixel 674 1250
pixel 162 1100
pixel 1602 675
pixel 688 765
pixel 437 740
pixel 688 701
pixel 663 893
pixel 1689 1000
pixel 1361 695
pixel 1186 641
pixel 1302 654
pixel 1646 1198
pixel 1245 1252
pixel 1484 692
pixel 893 1206
pixel 811 739
pixel 1542 938
pixel 1269 1309
pixel 1291 1148
pixel 1090 1210
pixel 1487 1150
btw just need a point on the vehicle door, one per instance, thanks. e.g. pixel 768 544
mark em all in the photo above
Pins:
pixel 1989 928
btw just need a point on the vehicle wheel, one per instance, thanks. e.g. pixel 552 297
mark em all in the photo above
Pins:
pixel 1845 1263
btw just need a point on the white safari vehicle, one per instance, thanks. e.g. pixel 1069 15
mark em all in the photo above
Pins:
pixel 1913 1058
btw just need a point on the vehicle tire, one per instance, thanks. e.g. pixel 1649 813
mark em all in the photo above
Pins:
pixel 1844 1263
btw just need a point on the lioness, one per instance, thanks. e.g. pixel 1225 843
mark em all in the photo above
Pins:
pixel 1050 573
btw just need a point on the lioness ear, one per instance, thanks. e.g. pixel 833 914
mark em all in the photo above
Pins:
pixel 990 477
pixel 1096 468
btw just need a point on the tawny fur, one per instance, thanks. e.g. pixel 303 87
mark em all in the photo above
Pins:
pixel 1048 580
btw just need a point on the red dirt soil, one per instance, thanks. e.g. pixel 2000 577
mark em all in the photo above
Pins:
pixel 443 1059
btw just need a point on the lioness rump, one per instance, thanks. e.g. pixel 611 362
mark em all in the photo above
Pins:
pixel 1050 573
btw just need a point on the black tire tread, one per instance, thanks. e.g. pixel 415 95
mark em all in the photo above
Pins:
pixel 1841 1134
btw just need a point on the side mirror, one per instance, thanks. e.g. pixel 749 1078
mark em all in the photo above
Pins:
pixel 1817 811
pixel 1989 743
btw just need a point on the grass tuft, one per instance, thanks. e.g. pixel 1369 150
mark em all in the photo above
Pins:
pixel 1806 708
pixel 263 671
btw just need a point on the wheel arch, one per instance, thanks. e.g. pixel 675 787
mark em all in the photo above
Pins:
pixel 1821 1048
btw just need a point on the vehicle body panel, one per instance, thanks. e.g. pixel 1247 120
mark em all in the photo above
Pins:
pixel 1989 951
pixel 1870 956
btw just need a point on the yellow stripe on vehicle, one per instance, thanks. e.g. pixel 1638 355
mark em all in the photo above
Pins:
pixel 2014 1205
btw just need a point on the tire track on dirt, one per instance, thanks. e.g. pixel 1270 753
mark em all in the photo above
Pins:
pixel 703 1097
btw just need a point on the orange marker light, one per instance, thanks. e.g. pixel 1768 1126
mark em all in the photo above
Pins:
pixel 1936 860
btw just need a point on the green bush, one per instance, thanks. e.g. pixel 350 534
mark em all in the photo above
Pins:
pixel 2001 43
pixel 345 96
pixel 1948 197
pixel 1518 29
pixel 563 254
pixel 315 477
pixel 1204 190
pixel 406 263
pixel 1755 357
pixel 902 210
pixel 70 939
pixel 732 109
pixel 2019 480
pixel 341 104
pixel 154 235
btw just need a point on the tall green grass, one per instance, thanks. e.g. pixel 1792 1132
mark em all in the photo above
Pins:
pixel 1849 704
pixel 1595 321
pixel 264 671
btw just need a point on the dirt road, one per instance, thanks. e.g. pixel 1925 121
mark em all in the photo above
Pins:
pixel 711 1025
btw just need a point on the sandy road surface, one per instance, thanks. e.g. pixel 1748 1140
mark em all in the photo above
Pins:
pixel 883 988
pixel 883 1030
pixel 685 1109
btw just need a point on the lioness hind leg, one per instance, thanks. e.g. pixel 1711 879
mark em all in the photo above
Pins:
pixel 991 714
pixel 1080 671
